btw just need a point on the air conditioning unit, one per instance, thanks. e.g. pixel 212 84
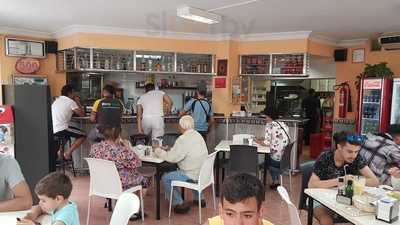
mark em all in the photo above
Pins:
pixel 390 41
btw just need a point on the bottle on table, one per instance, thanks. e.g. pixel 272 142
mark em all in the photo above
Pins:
pixel 349 189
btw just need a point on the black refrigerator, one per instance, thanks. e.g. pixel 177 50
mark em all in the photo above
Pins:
pixel 34 145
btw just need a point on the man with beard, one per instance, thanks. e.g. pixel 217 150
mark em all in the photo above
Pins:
pixel 334 164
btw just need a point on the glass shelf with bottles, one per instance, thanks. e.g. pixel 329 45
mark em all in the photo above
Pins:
pixel 255 64
pixel 194 63
pixel 108 59
pixel 73 59
pixel 283 64
pixel 155 61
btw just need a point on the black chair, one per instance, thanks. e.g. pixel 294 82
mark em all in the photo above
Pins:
pixel 169 139
pixel 61 163
pixel 285 163
pixel 307 170
pixel 243 159
pixel 137 139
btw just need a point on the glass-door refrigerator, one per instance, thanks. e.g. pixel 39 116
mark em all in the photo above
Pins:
pixel 374 105
pixel 395 114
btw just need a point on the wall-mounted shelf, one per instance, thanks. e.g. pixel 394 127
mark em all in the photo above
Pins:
pixel 79 59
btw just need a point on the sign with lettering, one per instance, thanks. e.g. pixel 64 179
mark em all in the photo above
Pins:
pixel 27 65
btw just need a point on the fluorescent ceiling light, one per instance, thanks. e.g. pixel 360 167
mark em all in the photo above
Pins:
pixel 198 15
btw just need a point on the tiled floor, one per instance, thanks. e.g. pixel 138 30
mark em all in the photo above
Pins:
pixel 276 209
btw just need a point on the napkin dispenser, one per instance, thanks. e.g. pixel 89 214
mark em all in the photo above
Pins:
pixel 387 210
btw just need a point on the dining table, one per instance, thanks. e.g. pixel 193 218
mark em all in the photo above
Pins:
pixel 10 218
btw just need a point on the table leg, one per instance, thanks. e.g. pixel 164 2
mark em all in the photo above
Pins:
pixel 265 169
pixel 158 178
pixel 310 211
pixel 217 175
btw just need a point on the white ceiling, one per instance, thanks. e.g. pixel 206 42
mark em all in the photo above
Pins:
pixel 337 19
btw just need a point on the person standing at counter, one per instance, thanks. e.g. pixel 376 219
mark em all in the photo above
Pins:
pixel 201 111
pixel 61 112
pixel 276 137
pixel 312 109
pixel 106 111
pixel 150 111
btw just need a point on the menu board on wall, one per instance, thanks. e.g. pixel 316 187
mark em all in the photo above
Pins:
pixel 25 48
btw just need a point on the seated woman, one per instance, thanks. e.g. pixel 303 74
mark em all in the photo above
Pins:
pixel 115 149
pixel 276 137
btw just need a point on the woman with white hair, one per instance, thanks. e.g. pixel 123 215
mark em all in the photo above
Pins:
pixel 189 152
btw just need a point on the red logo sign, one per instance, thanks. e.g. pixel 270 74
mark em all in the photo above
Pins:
pixel 27 65
pixel 373 84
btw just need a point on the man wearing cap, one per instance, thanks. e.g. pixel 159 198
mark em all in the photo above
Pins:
pixel 150 112
pixel 382 152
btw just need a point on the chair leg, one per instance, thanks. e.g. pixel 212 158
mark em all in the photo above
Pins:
pixel 88 211
pixel 109 204
pixel 170 202
pixel 290 181
pixel 281 178
pixel 199 193
pixel 213 193
pixel 141 203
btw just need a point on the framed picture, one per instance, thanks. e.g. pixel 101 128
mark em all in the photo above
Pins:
pixel 358 55
pixel 222 67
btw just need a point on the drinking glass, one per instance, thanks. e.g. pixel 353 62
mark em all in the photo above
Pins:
pixel 359 185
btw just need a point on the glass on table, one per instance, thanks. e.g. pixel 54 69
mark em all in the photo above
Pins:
pixel 359 185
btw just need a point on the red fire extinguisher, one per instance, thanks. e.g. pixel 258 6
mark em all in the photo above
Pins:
pixel 344 99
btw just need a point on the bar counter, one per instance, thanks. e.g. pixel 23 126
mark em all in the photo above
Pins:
pixel 222 129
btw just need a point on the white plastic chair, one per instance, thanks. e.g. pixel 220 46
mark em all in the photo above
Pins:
pixel 294 216
pixel 126 206
pixel 206 178
pixel 238 138
pixel 105 182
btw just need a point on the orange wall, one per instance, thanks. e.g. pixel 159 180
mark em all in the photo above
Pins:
pixel 316 48
pixel 47 68
pixel 348 71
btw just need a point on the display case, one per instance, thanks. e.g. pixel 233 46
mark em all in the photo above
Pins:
pixel 109 59
pixel 255 64
pixel 155 61
pixel 194 63
pixel 284 64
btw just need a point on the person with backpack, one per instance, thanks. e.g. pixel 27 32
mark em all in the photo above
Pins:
pixel 201 111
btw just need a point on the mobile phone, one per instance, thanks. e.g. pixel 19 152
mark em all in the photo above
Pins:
pixel 18 219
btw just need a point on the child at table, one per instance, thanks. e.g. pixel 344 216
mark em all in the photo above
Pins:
pixel 53 191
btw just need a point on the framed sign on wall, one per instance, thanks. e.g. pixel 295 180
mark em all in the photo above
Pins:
pixel 25 48
pixel 358 55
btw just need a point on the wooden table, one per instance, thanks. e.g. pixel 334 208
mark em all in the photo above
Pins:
pixel 10 218
pixel 223 146
pixel 327 198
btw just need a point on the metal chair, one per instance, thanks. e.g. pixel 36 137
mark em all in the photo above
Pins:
pixel 169 139
pixel 243 159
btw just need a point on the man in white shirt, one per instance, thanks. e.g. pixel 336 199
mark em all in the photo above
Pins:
pixel 150 111
pixel 62 110
pixel 14 191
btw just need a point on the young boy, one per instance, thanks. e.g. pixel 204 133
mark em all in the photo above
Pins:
pixel 241 202
pixel 53 191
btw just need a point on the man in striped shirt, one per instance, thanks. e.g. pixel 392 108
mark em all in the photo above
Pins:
pixel 382 152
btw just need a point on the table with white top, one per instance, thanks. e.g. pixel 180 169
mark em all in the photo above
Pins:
pixel 10 218
pixel 223 146
pixel 161 166
pixel 327 198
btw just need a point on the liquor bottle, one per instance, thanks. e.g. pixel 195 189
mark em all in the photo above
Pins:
pixel 158 65
pixel 97 64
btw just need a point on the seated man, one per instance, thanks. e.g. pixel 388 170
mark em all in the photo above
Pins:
pixel 241 202
pixel 381 152
pixel 189 152
pixel 61 112
pixel 14 191
pixel 334 164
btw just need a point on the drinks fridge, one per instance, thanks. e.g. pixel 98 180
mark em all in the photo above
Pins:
pixel 374 105
pixel 395 114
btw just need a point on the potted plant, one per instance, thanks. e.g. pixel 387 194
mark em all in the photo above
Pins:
pixel 379 70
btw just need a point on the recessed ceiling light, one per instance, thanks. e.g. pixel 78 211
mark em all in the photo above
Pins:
pixel 198 15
